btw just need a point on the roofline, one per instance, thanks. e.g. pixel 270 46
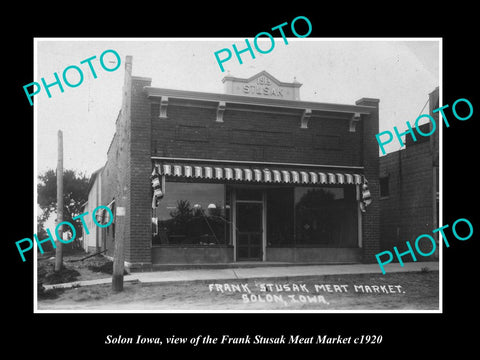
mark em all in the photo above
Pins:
pixel 93 178
pixel 154 92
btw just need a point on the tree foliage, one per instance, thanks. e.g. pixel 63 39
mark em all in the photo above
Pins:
pixel 75 194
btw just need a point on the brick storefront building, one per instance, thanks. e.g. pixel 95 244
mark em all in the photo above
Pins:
pixel 251 174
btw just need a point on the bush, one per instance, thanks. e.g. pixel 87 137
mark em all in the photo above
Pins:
pixel 63 276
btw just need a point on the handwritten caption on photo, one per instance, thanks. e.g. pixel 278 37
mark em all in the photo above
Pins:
pixel 297 293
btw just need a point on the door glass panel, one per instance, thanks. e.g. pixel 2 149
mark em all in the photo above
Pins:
pixel 249 231
pixel 249 217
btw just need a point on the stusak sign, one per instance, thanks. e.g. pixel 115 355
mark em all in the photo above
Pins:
pixel 262 85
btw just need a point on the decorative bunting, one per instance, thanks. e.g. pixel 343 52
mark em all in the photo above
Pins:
pixel 158 191
pixel 366 196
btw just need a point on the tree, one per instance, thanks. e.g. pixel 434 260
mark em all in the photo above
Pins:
pixel 75 194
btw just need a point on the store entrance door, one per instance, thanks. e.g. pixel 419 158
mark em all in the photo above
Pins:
pixel 249 224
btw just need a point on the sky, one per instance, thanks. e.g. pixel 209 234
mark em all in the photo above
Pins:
pixel 399 72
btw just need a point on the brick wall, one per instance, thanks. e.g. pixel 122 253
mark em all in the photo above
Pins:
pixel 138 245
pixel 127 178
pixel 408 211
pixel 253 136
pixel 369 153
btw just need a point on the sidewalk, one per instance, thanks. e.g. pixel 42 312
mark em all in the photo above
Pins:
pixel 173 276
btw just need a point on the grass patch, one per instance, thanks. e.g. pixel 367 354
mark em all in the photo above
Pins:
pixel 44 294
pixel 77 266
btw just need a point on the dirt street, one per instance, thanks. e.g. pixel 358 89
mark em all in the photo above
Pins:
pixel 398 291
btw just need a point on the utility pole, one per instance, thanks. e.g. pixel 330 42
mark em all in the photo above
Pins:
pixel 120 202
pixel 118 258
pixel 59 250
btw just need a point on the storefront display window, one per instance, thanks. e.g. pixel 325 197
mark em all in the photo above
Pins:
pixel 312 216
pixel 191 214
pixel 326 216
pixel 198 213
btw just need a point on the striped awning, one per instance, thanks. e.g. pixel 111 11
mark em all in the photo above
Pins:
pixel 259 175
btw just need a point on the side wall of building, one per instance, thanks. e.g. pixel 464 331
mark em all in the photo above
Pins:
pixel 411 207
pixel 91 240
pixel 138 246
pixel 126 176
pixel 112 171
pixel 408 210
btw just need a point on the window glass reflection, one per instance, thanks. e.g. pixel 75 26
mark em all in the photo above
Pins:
pixel 326 216
pixel 191 213
pixel 312 216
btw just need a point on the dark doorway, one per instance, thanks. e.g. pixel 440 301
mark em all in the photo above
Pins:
pixel 249 231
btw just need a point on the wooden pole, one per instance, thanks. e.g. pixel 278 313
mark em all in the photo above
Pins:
pixel 59 250
pixel 118 255
pixel 118 266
